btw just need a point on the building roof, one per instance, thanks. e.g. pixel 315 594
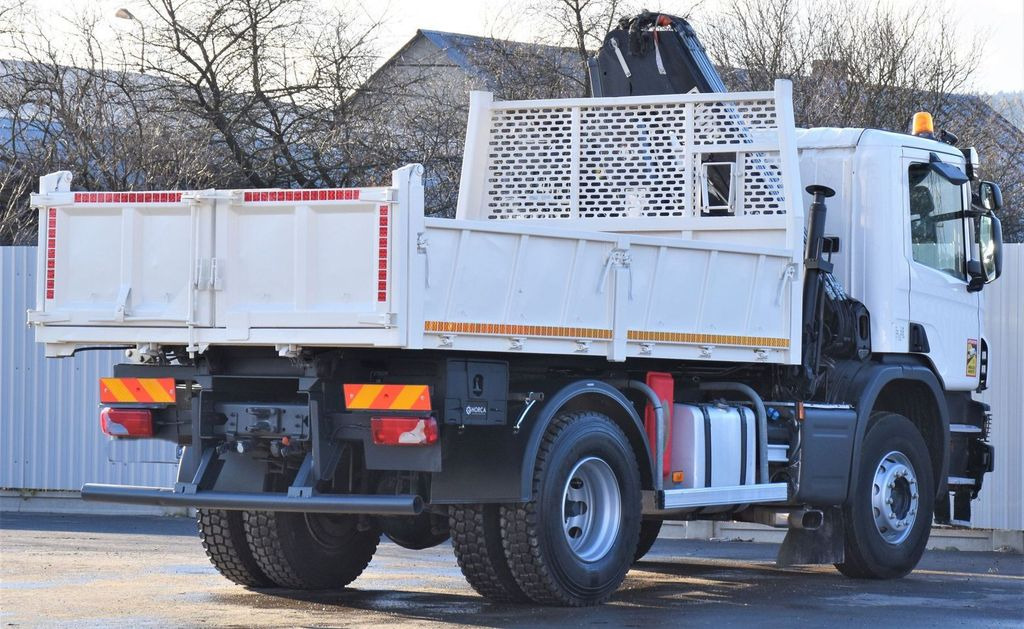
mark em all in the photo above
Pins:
pixel 482 57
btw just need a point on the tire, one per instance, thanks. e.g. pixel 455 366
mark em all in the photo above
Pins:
pixel 476 539
pixel 649 530
pixel 423 531
pixel 223 536
pixel 574 542
pixel 895 459
pixel 309 551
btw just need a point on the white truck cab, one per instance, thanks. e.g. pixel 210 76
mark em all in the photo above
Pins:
pixel 904 238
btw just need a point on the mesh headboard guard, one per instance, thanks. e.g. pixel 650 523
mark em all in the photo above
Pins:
pixel 642 158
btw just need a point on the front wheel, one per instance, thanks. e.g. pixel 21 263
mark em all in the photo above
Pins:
pixel 649 530
pixel 574 542
pixel 889 515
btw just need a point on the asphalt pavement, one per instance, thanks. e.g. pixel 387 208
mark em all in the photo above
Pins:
pixel 109 571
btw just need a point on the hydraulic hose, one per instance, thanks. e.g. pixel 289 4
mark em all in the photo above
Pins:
pixel 762 420
pixel 659 433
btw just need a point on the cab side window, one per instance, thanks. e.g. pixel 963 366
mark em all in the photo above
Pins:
pixel 937 222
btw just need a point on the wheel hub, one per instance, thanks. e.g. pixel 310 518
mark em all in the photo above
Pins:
pixel 894 497
pixel 591 509
pixel 328 530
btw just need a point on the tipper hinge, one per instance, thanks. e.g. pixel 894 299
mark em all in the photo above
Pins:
pixel 208 274
pixel 617 258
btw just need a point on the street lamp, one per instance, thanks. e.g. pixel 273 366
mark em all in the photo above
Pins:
pixel 125 14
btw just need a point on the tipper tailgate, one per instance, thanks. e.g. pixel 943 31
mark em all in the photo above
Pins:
pixel 268 267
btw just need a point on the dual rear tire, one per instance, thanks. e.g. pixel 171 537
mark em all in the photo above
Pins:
pixel 574 542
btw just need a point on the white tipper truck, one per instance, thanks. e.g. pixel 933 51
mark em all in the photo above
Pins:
pixel 631 319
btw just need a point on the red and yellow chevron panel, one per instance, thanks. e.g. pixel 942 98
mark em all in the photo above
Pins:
pixel 137 390
pixel 387 397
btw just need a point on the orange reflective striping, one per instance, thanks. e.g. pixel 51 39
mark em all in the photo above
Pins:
pixel 387 397
pixel 415 398
pixel 505 329
pixel 361 395
pixel 140 392
pixel 709 339
pixel 137 390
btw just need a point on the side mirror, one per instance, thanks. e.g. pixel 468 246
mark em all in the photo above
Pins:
pixel 990 244
pixel 991 196
pixel 990 249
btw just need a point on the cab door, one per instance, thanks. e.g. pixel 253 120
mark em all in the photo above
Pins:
pixel 938 234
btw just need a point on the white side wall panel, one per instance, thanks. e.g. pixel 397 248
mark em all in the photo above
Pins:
pixel 49 427
pixel 1001 503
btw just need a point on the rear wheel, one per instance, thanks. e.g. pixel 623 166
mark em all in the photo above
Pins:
pixel 889 515
pixel 309 551
pixel 476 539
pixel 223 536
pixel 574 542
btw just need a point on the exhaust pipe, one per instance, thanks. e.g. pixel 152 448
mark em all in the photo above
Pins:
pixel 806 519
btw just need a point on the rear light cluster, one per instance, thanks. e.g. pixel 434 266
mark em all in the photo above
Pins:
pixel 382 255
pixel 403 431
pixel 126 422
pixel 51 251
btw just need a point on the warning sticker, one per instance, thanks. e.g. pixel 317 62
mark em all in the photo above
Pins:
pixel 972 358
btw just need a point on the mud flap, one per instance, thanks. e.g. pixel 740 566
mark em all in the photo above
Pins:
pixel 823 545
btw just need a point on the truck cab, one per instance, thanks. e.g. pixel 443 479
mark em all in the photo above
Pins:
pixel 911 272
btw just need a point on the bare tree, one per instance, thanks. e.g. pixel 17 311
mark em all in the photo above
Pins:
pixel 70 103
pixel 872 66
pixel 852 64
pixel 270 78
pixel 578 24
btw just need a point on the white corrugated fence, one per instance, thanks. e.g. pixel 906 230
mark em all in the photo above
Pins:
pixel 1001 502
pixel 49 427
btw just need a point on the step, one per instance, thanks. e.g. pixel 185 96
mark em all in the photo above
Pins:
pixel 671 499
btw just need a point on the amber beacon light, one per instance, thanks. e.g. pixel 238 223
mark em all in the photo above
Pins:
pixel 922 125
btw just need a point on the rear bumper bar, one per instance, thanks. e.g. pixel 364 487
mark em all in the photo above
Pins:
pixel 335 503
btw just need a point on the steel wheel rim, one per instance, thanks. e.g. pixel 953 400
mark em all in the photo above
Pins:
pixel 591 509
pixel 328 530
pixel 894 497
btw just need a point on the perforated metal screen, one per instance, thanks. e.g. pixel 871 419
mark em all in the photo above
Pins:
pixel 632 160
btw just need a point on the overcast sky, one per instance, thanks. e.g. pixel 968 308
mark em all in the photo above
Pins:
pixel 1002 21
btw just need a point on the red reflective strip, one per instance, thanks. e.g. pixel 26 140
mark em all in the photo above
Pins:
pixel 324 194
pixel 128 197
pixel 51 252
